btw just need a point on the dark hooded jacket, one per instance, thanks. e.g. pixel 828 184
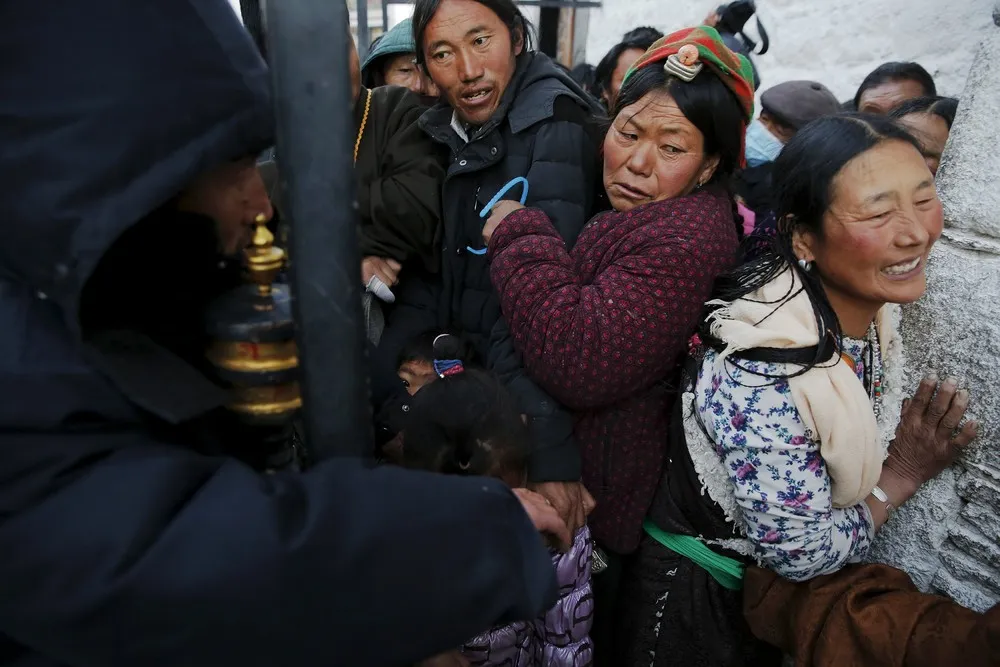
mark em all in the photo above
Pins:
pixel 545 129
pixel 399 172
pixel 121 544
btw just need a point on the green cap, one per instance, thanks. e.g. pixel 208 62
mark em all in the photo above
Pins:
pixel 396 41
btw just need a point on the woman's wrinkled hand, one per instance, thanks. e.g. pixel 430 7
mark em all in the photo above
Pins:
pixel 928 437
pixel 500 211
pixel 544 516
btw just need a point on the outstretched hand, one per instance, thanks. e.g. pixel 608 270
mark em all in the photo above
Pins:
pixel 570 499
pixel 930 433
pixel 544 516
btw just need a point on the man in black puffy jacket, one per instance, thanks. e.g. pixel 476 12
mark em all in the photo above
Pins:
pixel 127 536
pixel 507 112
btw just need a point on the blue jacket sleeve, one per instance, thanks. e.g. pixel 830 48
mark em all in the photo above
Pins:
pixel 120 551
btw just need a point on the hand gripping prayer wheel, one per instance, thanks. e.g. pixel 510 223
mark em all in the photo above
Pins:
pixel 253 350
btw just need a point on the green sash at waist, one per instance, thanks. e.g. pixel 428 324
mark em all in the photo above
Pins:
pixel 727 571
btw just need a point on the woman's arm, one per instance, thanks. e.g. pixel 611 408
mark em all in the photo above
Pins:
pixel 867 614
pixel 591 345
pixel 780 481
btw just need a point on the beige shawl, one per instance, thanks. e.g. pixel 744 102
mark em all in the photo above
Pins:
pixel 832 404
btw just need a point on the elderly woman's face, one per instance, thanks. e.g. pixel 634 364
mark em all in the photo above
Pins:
pixel 653 152
pixel 932 132
pixel 883 219
pixel 402 70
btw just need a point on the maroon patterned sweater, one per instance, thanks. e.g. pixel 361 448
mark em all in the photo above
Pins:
pixel 604 327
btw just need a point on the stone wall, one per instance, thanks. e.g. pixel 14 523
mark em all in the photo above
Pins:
pixel 836 42
pixel 948 536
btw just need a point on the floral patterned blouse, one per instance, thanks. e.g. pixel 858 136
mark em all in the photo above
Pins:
pixel 780 480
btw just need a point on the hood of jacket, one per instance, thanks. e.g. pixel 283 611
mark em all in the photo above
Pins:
pixel 530 98
pixel 111 111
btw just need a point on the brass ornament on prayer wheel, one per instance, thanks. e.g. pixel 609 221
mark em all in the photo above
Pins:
pixel 253 347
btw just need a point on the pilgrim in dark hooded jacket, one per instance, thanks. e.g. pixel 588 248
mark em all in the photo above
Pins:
pixel 128 128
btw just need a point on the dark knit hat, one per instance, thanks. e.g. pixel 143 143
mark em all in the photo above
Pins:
pixel 796 103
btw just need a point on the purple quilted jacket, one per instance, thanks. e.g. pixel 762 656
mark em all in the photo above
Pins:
pixel 561 636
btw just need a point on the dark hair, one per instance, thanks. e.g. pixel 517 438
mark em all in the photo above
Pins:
pixel 707 102
pixel 506 10
pixel 889 72
pixel 639 38
pixel 733 18
pixel 465 424
pixel 802 190
pixel 421 348
pixel 584 75
pixel 942 107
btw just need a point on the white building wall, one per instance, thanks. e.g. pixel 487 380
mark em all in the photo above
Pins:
pixel 836 42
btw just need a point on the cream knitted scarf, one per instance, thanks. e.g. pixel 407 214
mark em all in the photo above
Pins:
pixel 832 403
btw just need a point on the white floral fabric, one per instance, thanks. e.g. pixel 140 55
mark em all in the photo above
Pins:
pixel 780 481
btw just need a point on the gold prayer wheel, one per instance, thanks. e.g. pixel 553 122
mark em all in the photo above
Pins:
pixel 253 347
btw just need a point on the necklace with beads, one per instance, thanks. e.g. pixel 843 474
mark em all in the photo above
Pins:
pixel 874 372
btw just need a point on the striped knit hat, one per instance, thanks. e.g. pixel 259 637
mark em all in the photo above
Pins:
pixel 733 69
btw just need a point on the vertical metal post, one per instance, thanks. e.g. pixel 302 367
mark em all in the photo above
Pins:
pixel 308 46
pixel 364 36
pixel 385 16
pixel 253 19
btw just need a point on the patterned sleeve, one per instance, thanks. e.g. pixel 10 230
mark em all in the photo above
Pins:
pixel 780 480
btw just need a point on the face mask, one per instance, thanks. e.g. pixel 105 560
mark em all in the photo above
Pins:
pixel 762 146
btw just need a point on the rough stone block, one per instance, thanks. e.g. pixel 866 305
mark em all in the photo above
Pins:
pixel 967 179
pixel 948 536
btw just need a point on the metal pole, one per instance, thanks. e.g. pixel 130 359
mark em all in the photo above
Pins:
pixel 253 19
pixel 308 45
pixel 385 16
pixel 364 36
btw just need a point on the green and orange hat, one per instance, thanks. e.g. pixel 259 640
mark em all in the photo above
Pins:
pixel 733 69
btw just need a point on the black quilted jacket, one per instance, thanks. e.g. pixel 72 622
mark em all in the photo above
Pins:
pixel 548 130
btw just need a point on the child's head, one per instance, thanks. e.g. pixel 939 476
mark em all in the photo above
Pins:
pixel 465 422
pixel 415 365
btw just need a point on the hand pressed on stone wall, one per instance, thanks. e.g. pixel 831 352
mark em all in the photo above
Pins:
pixel 928 439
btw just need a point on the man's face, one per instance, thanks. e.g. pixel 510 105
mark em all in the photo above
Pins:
pixel 469 55
pixel 781 132
pixel 625 60
pixel 234 196
pixel 884 98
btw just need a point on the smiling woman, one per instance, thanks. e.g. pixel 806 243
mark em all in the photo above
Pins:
pixel 790 412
